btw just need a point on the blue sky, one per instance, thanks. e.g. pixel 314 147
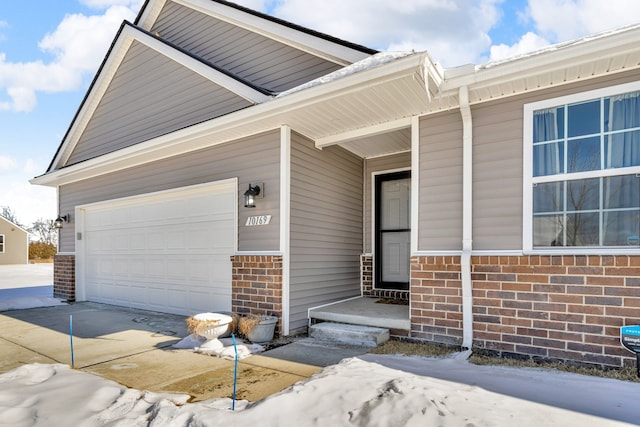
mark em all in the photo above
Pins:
pixel 50 51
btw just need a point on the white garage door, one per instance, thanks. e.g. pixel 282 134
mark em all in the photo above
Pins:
pixel 167 251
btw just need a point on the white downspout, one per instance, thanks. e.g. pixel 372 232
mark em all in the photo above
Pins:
pixel 467 219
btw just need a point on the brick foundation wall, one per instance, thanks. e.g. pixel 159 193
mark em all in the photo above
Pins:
pixel 257 286
pixel 366 269
pixel 567 308
pixel 64 277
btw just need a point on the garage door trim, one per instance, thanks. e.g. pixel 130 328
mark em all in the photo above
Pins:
pixel 81 211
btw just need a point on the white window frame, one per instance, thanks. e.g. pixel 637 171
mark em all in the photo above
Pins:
pixel 3 243
pixel 528 179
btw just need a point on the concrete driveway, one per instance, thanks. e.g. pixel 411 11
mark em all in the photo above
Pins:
pixel 133 348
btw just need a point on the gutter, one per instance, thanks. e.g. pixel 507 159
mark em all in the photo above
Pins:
pixel 467 218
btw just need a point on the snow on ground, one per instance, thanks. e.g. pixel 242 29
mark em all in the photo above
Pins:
pixel 26 286
pixel 354 392
pixel 27 297
pixel 28 302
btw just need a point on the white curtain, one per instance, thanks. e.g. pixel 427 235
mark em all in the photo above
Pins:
pixel 547 159
pixel 623 150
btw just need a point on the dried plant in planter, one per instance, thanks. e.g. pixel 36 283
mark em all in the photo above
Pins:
pixel 197 327
pixel 198 324
pixel 247 323
pixel 233 326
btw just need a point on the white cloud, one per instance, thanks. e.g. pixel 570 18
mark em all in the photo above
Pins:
pixel 28 202
pixel 31 167
pixel 259 5
pixel 7 164
pixel 104 4
pixel 561 20
pixel 77 45
pixel 529 42
pixel 556 21
pixel 452 31
pixel 80 42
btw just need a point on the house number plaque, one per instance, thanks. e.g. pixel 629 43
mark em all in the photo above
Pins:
pixel 258 220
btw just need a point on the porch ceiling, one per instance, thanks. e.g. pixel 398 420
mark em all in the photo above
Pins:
pixel 398 141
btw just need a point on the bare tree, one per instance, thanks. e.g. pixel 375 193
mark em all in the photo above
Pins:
pixel 8 213
pixel 44 231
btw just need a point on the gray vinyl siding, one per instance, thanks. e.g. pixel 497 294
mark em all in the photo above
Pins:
pixel 150 95
pixel 255 58
pixel 371 166
pixel 497 176
pixel 440 195
pixel 498 157
pixel 251 160
pixel 326 227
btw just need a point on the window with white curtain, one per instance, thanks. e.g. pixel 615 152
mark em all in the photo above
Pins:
pixel 582 170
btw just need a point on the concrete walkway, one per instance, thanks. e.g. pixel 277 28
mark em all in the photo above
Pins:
pixel 133 348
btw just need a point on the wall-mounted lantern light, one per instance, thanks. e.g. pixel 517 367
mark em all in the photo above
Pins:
pixel 250 196
pixel 59 222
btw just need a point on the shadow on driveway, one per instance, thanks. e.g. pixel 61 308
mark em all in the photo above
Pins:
pixel 133 348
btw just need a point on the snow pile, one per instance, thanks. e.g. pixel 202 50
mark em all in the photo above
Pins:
pixel 354 392
pixel 22 303
pixel 222 347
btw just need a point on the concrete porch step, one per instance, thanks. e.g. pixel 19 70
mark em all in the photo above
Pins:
pixel 356 335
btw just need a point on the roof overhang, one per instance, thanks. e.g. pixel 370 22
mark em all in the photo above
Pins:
pixel 587 58
pixel 340 109
pixel 380 99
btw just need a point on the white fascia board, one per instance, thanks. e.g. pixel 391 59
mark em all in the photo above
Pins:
pixel 316 46
pixel 546 61
pixel 150 14
pixel 267 114
pixel 361 133
pixel 198 67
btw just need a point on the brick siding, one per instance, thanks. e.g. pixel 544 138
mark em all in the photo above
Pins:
pixel 64 277
pixel 257 286
pixel 567 308
pixel 366 269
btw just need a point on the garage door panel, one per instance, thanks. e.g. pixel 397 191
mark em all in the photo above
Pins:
pixel 166 253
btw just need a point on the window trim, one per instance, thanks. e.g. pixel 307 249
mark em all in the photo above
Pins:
pixel 527 168
pixel 3 243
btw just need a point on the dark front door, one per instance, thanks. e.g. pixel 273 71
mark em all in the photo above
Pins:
pixel 393 232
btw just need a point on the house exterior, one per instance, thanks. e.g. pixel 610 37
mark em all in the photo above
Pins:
pixel 501 201
pixel 14 243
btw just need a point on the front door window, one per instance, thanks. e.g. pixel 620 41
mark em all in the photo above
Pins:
pixel 393 232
